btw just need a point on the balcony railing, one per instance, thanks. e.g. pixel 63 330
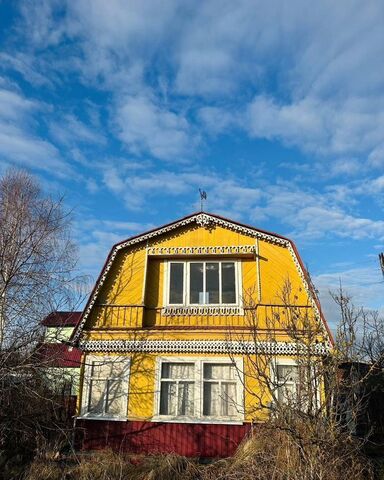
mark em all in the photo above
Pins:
pixel 119 316
pixel 139 316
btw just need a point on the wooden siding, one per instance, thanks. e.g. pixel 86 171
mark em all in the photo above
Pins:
pixel 188 439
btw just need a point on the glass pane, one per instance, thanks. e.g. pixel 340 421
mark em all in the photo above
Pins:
pixel 287 392
pixel 228 283
pixel 168 398
pixel 219 371
pixel 211 399
pixel 97 391
pixel 176 283
pixel 212 282
pixel 287 373
pixel 178 371
pixel 228 399
pixel 196 294
pixel 115 398
pixel 103 369
pixel 186 398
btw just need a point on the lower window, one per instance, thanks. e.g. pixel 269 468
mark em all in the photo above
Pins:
pixel 198 390
pixel 105 388
pixel 296 384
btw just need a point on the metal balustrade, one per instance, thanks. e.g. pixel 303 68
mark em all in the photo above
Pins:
pixel 140 316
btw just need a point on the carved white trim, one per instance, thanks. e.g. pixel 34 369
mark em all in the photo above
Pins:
pixel 204 220
pixel 203 250
pixel 203 310
pixel 202 346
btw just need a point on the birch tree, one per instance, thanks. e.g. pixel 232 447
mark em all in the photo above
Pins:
pixel 37 276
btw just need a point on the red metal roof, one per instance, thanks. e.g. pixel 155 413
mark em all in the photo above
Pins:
pixel 59 355
pixel 61 319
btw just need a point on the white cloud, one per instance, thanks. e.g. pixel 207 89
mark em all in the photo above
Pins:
pixel 218 120
pixel 148 127
pixel 312 70
pixel 18 143
pixel 69 130
pixel 364 286
pixel 321 127
pixel 14 106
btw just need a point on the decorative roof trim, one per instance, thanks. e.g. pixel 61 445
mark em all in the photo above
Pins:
pixel 203 250
pixel 201 346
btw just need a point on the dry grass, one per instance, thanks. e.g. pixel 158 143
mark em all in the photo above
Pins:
pixel 107 465
pixel 305 453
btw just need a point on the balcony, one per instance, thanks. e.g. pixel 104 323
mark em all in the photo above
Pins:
pixel 139 316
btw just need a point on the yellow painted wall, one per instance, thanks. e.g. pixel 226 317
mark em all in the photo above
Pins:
pixel 132 272
pixel 143 385
pixel 137 281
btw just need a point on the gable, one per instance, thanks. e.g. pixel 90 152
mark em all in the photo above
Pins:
pixel 203 234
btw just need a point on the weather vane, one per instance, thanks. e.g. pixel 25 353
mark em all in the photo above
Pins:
pixel 203 196
pixel 381 261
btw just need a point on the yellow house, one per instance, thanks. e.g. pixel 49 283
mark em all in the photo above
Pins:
pixel 193 332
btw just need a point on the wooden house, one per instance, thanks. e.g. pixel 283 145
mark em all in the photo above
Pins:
pixel 170 330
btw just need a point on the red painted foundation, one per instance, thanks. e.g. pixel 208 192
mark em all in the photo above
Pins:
pixel 191 440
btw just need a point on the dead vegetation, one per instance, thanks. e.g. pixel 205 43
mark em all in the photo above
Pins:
pixel 272 452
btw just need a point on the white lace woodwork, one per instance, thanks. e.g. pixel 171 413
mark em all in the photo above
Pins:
pixel 203 220
pixel 203 250
pixel 202 310
pixel 202 346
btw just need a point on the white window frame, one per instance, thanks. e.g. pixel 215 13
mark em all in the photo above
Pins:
pixel 87 382
pixel 186 278
pixel 198 416
pixel 289 362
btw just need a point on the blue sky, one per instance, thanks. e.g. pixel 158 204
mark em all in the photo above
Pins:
pixel 275 108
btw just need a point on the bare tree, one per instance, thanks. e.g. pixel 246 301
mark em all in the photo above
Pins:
pixel 300 389
pixel 37 276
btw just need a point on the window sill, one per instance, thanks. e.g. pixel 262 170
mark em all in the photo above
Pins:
pixel 103 418
pixel 212 421
pixel 174 310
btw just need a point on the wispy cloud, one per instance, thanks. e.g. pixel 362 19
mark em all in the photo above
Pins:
pixel 147 127
pixel 364 285
pixel 18 142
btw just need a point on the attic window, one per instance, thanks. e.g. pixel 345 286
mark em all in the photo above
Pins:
pixel 203 283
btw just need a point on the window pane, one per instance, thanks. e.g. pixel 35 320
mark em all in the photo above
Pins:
pixel 177 371
pixel 106 368
pixel 176 283
pixel 228 284
pixel 212 282
pixel 228 399
pixel 287 373
pixel 211 399
pixel 115 398
pixel 97 391
pixel 186 398
pixel 287 392
pixel 168 398
pixel 196 294
pixel 219 371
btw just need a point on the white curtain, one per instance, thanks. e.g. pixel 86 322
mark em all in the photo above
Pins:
pixel 177 393
pixel 219 390
pixel 288 378
pixel 178 371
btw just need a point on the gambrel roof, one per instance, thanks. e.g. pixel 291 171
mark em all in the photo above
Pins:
pixel 202 219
